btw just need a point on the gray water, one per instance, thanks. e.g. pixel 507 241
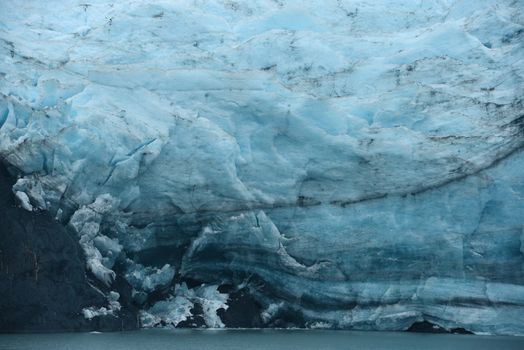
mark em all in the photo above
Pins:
pixel 256 339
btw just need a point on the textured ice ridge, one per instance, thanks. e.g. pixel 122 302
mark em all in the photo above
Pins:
pixel 357 163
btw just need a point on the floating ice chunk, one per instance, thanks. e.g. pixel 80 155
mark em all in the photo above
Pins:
pixel 320 325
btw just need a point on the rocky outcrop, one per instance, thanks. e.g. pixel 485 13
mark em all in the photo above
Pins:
pixel 43 280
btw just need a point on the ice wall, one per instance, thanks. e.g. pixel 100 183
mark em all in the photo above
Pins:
pixel 358 163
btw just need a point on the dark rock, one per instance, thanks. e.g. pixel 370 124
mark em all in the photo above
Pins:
pixel 428 327
pixel 43 282
pixel 196 320
pixel 243 311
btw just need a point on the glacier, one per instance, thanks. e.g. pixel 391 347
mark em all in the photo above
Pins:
pixel 348 164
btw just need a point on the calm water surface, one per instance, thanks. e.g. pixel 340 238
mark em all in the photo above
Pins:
pixel 256 339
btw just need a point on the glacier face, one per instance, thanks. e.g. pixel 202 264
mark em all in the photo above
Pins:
pixel 357 163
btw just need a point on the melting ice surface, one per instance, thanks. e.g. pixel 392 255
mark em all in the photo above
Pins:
pixel 357 163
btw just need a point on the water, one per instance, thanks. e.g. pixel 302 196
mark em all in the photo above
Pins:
pixel 255 339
